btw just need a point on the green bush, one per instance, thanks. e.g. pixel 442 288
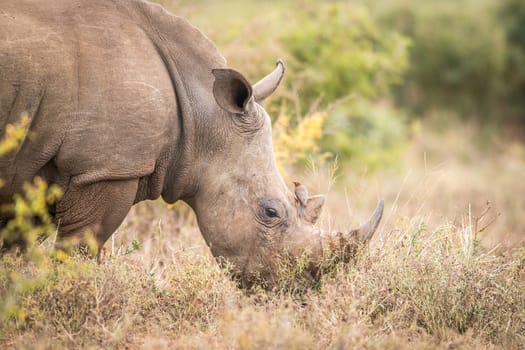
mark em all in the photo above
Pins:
pixel 466 56
pixel 29 221
pixel 367 135
pixel 458 53
pixel 342 57
pixel 512 15
pixel 338 49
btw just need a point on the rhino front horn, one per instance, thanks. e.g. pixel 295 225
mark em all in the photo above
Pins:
pixel 367 230
pixel 267 85
pixel 344 245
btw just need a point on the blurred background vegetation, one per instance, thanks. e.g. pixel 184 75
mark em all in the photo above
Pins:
pixel 378 68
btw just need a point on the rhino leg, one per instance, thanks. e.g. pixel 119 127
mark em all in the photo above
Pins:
pixel 86 216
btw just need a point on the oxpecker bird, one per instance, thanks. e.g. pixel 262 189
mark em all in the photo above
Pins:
pixel 301 193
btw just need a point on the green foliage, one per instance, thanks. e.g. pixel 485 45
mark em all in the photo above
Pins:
pixel 28 212
pixel 297 141
pixel 29 221
pixel 135 245
pixel 14 135
pixel 366 135
pixel 466 56
pixel 338 49
pixel 512 15
pixel 463 61
pixel 27 209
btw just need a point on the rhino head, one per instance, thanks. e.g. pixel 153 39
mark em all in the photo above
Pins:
pixel 246 213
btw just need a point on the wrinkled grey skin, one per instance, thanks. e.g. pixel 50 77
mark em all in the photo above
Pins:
pixel 129 103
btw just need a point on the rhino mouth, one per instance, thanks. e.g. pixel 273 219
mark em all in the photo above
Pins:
pixel 285 273
pixel 298 272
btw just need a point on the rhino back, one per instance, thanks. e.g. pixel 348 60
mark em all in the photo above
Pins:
pixel 100 99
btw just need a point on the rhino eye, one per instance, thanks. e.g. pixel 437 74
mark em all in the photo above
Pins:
pixel 271 213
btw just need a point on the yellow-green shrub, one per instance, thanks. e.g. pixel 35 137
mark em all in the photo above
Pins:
pixel 29 221
pixel 298 140
pixel 368 136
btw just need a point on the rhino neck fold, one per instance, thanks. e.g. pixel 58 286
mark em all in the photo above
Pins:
pixel 178 182
pixel 181 181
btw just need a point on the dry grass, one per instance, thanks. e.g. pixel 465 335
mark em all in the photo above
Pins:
pixel 446 178
pixel 424 282
pixel 416 290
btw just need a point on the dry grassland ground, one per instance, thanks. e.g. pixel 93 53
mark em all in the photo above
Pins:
pixel 425 282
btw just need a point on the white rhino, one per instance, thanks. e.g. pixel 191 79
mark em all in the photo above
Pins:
pixel 128 102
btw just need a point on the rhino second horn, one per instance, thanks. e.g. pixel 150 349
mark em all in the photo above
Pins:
pixel 267 85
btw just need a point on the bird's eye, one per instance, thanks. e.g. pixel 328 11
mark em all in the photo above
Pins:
pixel 271 213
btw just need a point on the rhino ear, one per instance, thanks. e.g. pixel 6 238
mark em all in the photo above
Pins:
pixel 313 208
pixel 231 90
